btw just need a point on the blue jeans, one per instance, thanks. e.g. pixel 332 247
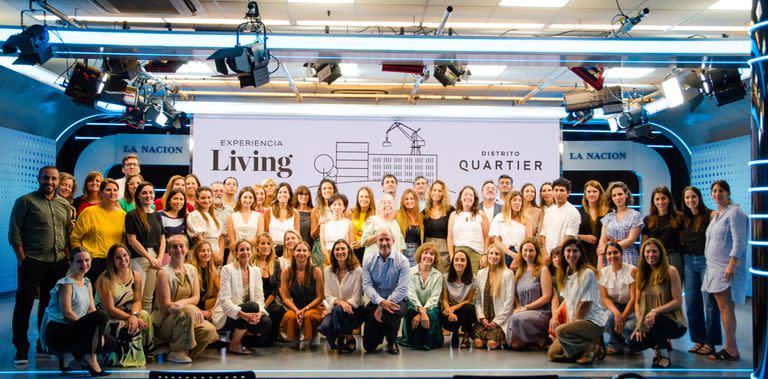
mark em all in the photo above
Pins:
pixel 701 308
pixel 618 340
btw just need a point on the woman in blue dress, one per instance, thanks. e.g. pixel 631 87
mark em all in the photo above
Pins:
pixel 622 224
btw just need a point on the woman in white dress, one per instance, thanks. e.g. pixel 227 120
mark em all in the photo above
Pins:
pixel 510 227
pixel 203 225
pixel 336 228
pixel 281 216
pixel 244 223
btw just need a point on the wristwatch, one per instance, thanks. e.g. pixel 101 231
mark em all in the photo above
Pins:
pixel 135 314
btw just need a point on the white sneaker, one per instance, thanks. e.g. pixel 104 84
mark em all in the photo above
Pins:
pixel 179 357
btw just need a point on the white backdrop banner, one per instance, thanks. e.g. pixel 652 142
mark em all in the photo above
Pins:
pixel 359 151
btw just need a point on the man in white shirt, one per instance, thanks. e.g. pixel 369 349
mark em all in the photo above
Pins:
pixel 489 204
pixel 505 187
pixel 561 220
pixel 130 167
pixel 420 186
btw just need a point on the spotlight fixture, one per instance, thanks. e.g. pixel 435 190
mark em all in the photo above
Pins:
pixel 682 87
pixel 448 75
pixel 724 84
pixel 31 44
pixel 608 98
pixel 627 23
pixel 85 83
pixel 324 72
pixel 635 122
pixel 153 114
pixel 134 117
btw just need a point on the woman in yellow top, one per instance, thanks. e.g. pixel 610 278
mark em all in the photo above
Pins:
pixel 100 227
pixel 365 206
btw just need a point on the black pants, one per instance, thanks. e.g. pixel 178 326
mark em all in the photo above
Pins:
pixel 663 328
pixel 338 323
pixel 81 337
pixel 375 332
pixel 33 274
pixel 259 329
pixel 359 254
pixel 98 265
pixel 276 313
pixel 466 319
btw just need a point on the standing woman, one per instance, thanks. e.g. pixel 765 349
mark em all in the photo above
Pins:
pixel 468 228
pixel 266 261
pixel 208 275
pixel 658 309
pixel 269 191
pixel 321 213
pixel 230 192
pixel 244 223
pixel 700 307
pixel 494 300
pixel 617 289
pixel 533 293
pixel 436 215
pixel 174 215
pixel 146 241
pixel 71 323
pixel 622 224
pixel 66 189
pixel 593 208
pixel 302 202
pixel 240 305
pixel 203 225
pixel 534 214
pixel 302 291
pixel 281 216
pixel 726 274
pixel 546 198
pixel 91 192
pixel 176 182
pixel 586 316
pixel 421 324
pixel 459 300
pixel 260 199
pixel 191 184
pixel 411 224
pixel 100 227
pixel 385 219
pixel 177 319
pixel 665 224
pixel 365 207
pixel 344 310
pixel 337 227
pixel 128 202
pixel 510 227
pixel 119 289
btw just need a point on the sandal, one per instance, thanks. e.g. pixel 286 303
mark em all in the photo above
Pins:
pixel 723 355
pixel 696 347
pixel 661 362
pixel 587 357
pixel 706 350
pixel 350 345
pixel 465 344
pixel 241 351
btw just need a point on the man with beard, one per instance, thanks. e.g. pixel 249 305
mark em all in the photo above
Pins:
pixel 222 211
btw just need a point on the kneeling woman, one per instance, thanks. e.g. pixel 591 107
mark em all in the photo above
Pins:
pixel 71 323
pixel 343 298
pixel 533 292
pixel 240 304
pixel 578 339
pixel 421 326
pixel 301 287
pixel 120 292
pixel 178 321
pixel 494 300
pixel 659 303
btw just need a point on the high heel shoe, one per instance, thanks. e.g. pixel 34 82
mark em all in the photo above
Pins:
pixel 92 371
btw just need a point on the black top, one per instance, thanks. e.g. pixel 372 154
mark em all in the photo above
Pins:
pixel 413 234
pixel 147 238
pixel 204 278
pixel 304 226
pixel 693 242
pixel 302 296
pixel 585 227
pixel 436 228
pixel 271 284
pixel 664 232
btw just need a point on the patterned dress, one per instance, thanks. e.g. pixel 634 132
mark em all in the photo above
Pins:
pixel 496 334
pixel 618 230
pixel 132 350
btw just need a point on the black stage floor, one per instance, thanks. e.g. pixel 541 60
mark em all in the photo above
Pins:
pixel 282 362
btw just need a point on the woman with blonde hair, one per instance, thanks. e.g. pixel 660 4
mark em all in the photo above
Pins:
pixel 421 324
pixel 203 225
pixel 260 199
pixel 176 182
pixel 436 216
pixel 510 227
pixel 411 224
pixel 208 276
pixel 269 190
pixel 494 300
pixel 533 212
pixel 365 207
pixel 593 208
pixel 191 184
pixel 533 292
pixel 267 261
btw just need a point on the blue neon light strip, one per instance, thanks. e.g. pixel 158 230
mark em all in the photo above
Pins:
pixel 661 146
pixel 682 141
pixel 757 272
pixel 756 60
pixel 758 243
pixel 86 138
pixel 758 162
pixel 758 216
pixel 758 189
pixel 759 25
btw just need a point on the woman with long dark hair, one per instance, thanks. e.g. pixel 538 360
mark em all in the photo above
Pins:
pixel 436 216
pixel 665 223
pixel 344 310
pixel 459 300
pixel 468 227
pixel 593 208
pixel 146 241
pixel 302 290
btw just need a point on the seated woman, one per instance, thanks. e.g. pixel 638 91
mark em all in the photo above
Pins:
pixel 459 299
pixel 240 304
pixel 343 298
pixel 533 292
pixel 71 324
pixel 208 275
pixel 301 288
pixel 496 295
pixel 421 325
pixel 617 289
pixel 178 321
pixel 658 309
pixel 577 338
pixel 266 260
pixel 119 289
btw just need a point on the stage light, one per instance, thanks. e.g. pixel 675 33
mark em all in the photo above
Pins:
pixel 251 69
pixel 682 87
pixel 724 84
pixel 608 98
pixel 448 75
pixel 31 44
pixel 134 117
pixel 85 83
pixel 153 114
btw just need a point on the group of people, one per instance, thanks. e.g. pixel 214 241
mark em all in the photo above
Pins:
pixel 120 273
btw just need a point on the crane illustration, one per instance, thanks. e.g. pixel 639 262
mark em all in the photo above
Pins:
pixel 412 134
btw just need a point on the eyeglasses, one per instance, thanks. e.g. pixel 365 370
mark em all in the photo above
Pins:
pixel 131 164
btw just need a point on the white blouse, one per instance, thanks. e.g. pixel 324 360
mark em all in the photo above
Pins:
pixel 277 228
pixel 468 231
pixel 349 289
pixel 511 232
pixel 335 230
pixel 617 283
pixel 197 226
